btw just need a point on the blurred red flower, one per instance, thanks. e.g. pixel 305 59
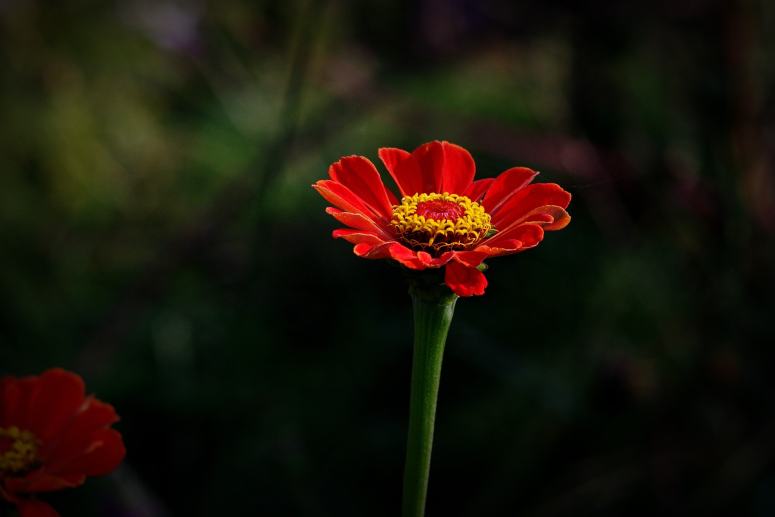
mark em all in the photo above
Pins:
pixel 444 218
pixel 52 436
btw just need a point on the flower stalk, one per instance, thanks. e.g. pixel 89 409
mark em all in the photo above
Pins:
pixel 433 307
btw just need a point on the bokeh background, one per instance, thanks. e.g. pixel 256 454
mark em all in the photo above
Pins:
pixel 158 235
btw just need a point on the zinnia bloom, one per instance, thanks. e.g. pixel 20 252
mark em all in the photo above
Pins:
pixel 444 218
pixel 52 436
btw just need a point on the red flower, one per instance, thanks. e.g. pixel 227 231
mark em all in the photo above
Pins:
pixel 51 437
pixel 445 218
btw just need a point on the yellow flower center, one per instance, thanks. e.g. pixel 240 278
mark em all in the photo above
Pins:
pixel 18 450
pixel 440 222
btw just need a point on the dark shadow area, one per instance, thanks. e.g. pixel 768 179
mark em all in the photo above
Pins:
pixel 159 236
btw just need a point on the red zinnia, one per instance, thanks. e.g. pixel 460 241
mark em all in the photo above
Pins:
pixel 51 437
pixel 444 218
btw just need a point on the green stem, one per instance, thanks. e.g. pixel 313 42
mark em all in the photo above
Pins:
pixel 433 308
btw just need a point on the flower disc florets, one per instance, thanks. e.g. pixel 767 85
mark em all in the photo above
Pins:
pixel 440 222
pixel 18 450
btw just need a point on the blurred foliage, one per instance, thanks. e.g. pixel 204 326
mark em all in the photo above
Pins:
pixel 159 236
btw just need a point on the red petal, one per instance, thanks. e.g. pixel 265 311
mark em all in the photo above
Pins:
pixel 458 170
pixel 528 199
pixel 341 197
pixel 560 217
pixel 58 398
pixel 35 509
pixel 389 250
pixel 518 238
pixel 356 236
pixel 464 280
pixel 392 197
pixel 359 222
pixel 505 186
pixel 528 234
pixel 548 217
pixel 103 456
pixel 405 256
pixel 432 167
pixel 430 159
pixel 425 258
pixel 404 170
pixel 477 189
pixel 506 247
pixel 431 262
pixel 362 248
pixel 77 437
pixel 43 481
pixel 471 258
pixel 371 250
pixel 359 175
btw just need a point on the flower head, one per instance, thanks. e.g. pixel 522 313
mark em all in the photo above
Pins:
pixel 52 436
pixel 444 218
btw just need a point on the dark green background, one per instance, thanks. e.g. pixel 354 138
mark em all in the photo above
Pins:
pixel 158 235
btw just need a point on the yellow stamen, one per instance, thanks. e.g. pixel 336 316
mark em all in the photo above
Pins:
pixel 18 450
pixel 440 222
